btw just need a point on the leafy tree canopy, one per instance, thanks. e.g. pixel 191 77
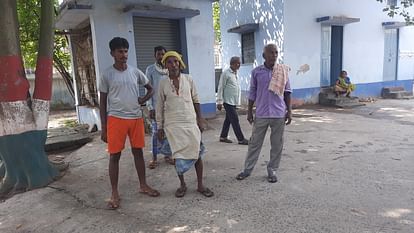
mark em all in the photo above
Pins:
pixel 29 20
pixel 216 21
pixel 396 7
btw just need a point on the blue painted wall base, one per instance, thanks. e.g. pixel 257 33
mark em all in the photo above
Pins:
pixel 208 110
pixel 311 95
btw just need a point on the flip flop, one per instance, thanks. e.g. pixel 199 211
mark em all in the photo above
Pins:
pixel 112 204
pixel 169 160
pixel 181 192
pixel 152 164
pixel 150 192
pixel 272 179
pixel 242 176
pixel 206 192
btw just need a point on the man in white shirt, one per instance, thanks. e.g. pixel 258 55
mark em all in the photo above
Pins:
pixel 155 73
pixel 228 95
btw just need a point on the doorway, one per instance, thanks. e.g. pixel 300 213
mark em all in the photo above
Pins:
pixel 391 38
pixel 331 54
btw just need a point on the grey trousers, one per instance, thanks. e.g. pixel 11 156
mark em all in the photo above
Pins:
pixel 260 126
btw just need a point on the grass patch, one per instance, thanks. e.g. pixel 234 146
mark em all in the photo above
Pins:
pixel 71 123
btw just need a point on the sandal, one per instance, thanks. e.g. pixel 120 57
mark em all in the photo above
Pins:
pixel 113 204
pixel 150 192
pixel 206 192
pixel 242 176
pixel 181 192
pixel 225 140
pixel 272 179
pixel 169 160
pixel 152 164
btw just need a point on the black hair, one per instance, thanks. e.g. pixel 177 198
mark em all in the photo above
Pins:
pixel 159 48
pixel 118 43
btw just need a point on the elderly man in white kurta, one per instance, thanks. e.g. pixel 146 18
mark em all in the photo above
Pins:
pixel 179 119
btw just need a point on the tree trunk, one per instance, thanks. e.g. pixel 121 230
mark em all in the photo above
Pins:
pixel 23 121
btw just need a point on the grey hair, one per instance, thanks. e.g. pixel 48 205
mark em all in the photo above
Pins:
pixel 234 60
pixel 270 46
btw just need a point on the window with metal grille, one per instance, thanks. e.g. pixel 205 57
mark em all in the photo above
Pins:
pixel 247 46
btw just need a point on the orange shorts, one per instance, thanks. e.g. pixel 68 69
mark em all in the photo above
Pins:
pixel 118 129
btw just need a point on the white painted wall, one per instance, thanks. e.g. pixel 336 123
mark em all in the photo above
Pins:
pixel 296 31
pixel 108 21
pixel 61 98
pixel 271 30
pixel 406 54
pixel 363 48
pixel 200 46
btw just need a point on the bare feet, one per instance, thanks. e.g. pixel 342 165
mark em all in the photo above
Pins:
pixel 113 203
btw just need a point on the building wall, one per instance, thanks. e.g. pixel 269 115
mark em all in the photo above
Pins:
pixel 406 57
pixel 200 51
pixel 108 21
pixel 296 32
pixel 271 30
pixel 61 98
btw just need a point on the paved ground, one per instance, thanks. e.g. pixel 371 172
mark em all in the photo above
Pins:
pixel 342 171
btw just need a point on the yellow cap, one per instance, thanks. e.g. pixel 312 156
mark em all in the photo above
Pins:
pixel 173 54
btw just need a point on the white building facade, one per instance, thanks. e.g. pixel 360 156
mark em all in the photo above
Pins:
pixel 182 25
pixel 318 39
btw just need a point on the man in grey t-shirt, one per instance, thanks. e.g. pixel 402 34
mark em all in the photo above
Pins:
pixel 121 116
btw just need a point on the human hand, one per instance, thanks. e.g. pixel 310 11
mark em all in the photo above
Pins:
pixel 141 100
pixel 219 107
pixel 104 136
pixel 152 114
pixel 288 118
pixel 250 117
pixel 161 134
pixel 200 124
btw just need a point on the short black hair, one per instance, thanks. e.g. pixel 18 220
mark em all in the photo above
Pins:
pixel 118 43
pixel 159 48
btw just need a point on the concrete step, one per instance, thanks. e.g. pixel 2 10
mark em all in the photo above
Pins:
pixel 395 93
pixel 350 105
pixel 386 90
pixel 327 90
pixel 329 99
pixel 67 138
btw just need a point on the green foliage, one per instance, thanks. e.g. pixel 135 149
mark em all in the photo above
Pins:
pixel 29 20
pixel 70 123
pixel 401 8
pixel 216 21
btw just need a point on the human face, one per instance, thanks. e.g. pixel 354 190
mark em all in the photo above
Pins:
pixel 173 66
pixel 158 56
pixel 270 55
pixel 344 74
pixel 120 55
pixel 235 65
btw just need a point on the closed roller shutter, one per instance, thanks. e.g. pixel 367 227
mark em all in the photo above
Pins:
pixel 152 32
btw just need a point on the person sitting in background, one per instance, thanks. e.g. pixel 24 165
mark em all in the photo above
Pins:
pixel 343 85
